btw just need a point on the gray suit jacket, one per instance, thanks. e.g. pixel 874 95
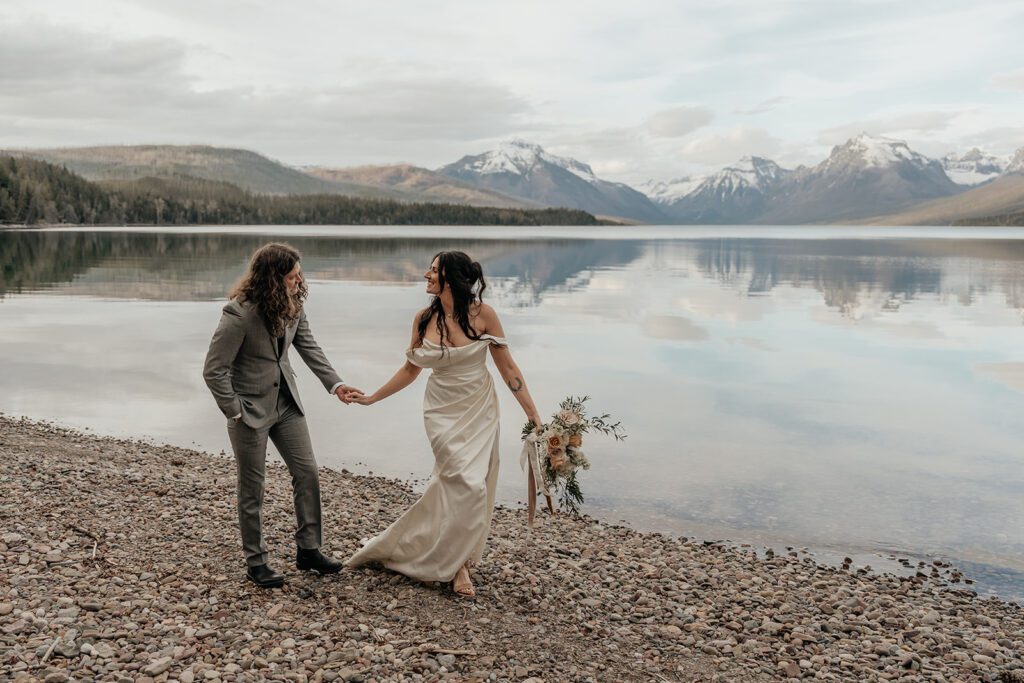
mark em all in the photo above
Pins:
pixel 244 367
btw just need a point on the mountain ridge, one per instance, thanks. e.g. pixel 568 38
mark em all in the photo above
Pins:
pixel 420 183
pixel 865 176
pixel 867 179
pixel 527 171
pixel 251 171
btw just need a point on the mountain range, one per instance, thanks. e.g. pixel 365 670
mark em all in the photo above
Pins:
pixel 863 178
pixel 526 170
pixel 867 179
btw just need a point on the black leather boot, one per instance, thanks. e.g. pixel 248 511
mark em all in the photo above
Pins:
pixel 264 577
pixel 314 560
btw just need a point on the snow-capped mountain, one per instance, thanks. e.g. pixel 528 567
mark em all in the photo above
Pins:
pixel 736 194
pixel 518 157
pixel 866 176
pixel 748 174
pixel 525 170
pixel 870 151
pixel 974 167
pixel 669 191
pixel 1016 164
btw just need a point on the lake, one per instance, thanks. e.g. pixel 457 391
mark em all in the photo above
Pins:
pixel 853 391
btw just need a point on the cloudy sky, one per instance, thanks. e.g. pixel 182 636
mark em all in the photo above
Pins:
pixel 640 89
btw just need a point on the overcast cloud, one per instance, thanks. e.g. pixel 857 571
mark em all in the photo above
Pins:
pixel 647 89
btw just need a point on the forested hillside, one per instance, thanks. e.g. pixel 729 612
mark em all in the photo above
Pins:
pixel 34 192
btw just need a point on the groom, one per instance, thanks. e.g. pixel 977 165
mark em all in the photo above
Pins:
pixel 248 371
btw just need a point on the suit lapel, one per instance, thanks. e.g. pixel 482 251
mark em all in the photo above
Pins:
pixel 289 335
pixel 279 344
pixel 275 346
pixel 287 339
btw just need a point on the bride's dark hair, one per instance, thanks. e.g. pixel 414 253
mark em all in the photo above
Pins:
pixel 464 277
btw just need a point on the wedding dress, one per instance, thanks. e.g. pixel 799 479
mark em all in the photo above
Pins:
pixel 448 525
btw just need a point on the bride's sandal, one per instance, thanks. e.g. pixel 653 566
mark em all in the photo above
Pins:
pixel 462 584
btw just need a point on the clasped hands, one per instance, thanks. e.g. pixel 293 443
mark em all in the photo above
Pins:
pixel 347 394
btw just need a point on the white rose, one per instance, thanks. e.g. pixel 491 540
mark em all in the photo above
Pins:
pixel 568 417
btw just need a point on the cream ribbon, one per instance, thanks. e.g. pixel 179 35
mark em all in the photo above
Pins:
pixel 532 454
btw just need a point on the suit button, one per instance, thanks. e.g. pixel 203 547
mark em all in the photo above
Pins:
pixel 275 384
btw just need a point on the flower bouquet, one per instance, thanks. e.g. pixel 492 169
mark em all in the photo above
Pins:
pixel 552 453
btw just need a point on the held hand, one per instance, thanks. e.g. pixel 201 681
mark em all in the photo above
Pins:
pixel 364 400
pixel 346 394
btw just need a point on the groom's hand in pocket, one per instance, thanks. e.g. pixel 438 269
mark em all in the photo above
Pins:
pixel 346 393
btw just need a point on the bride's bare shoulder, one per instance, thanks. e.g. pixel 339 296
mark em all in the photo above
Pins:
pixel 486 316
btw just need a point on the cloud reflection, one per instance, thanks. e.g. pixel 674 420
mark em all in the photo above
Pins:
pixel 873 422
pixel 674 328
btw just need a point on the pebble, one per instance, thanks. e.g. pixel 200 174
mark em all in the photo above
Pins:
pixel 158 667
pixel 571 600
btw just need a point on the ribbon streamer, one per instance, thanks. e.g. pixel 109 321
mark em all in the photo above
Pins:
pixel 532 455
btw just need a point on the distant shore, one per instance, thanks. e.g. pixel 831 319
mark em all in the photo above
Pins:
pixel 121 559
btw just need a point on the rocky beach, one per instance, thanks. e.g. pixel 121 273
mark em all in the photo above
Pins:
pixel 119 561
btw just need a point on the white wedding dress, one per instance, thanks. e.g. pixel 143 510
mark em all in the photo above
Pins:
pixel 448 525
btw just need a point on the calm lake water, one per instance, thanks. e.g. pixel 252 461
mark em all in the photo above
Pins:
pixel 857 392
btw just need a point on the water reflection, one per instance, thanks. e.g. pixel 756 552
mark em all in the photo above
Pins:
pixel 854 393
pixel 195 267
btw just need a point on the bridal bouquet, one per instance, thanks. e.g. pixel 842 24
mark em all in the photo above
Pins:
pixel 552 454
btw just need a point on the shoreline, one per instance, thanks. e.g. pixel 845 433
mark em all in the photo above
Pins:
pixel 945 567
pixel 122 560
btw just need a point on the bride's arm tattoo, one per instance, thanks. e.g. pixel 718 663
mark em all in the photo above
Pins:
pixel 515 384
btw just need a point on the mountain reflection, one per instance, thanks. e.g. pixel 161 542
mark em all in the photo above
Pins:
pixel 193 267
pixel 847 271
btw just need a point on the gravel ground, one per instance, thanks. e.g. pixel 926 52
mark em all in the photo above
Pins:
pixel 120 561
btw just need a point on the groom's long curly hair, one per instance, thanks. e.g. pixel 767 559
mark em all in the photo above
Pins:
pixel 465 278
pixel 263 286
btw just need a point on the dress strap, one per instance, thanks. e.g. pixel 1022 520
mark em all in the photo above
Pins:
pixel 494 341
pixel 410 355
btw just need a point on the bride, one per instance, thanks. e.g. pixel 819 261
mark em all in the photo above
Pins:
pixel 444 532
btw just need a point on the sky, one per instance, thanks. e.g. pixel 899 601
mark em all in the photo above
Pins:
pixel 646 89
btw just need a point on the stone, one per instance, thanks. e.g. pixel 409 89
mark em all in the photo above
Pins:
pixel 158 667
pixel 66 649
pixel 103 650
pixel 789 669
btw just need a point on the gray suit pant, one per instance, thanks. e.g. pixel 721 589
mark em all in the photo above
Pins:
pixel 291 437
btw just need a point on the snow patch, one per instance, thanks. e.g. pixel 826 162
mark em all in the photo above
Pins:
pixel 969 176
pixel 874 152
pixel 670 191
pixel 974 167
pixel 519 157
pixel 749 173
